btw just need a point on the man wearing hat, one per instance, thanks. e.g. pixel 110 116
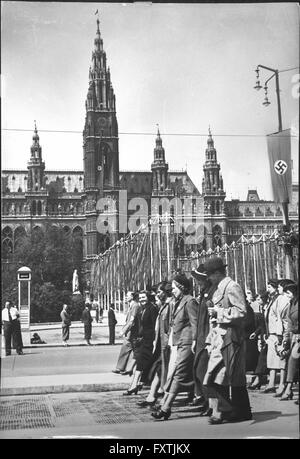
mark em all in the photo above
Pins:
pixel 201 356
pixel 227 352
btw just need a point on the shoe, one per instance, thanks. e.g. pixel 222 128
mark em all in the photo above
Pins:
pixel 269 390
pixel 144 403
pixel 131 391
pixel 296 402
pixel 279 394
pixel 214 420
pixel 156 407
pixel 197 401
pixel 20 353
pixel 254 386
pixel 116 371
pixel 161 414
pixel 288 396
pixel 190 398
pixel 203 407
pixel 129 373
pixel 207 412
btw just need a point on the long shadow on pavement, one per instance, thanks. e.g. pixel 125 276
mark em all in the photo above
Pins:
pixel 263 416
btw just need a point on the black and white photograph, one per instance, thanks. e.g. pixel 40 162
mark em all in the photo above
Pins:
pixel 149 223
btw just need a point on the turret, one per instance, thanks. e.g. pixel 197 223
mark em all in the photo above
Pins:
pixel 36 165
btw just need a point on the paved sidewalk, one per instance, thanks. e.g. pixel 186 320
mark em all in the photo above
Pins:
pixel 46 384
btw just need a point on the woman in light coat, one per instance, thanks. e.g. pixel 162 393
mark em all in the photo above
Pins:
pixel 291 341
pixel 275 315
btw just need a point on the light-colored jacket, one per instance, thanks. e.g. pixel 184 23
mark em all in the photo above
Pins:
pixel 131 318
pixel 230 346
pixel 277 315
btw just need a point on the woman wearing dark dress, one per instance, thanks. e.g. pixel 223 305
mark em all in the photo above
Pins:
pixel 252 352
pixel 143 343
pixel 161 351
pixel 201 356
pixel 291 341
pixel 261 370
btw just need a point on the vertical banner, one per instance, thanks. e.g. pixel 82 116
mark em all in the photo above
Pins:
pixel 279 152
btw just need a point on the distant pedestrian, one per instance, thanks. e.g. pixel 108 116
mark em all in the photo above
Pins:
pixel 16 332
pixel 66 323
pixel 112 321
pixel 87 321
pixel 101 309
pixel 10 315
pixel 129 332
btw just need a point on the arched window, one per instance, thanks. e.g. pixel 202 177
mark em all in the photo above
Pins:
pixel 33 208
pixel 7 248
pixel 19 235
pixel 39 208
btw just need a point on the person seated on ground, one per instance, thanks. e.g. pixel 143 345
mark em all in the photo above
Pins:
pixel 36 339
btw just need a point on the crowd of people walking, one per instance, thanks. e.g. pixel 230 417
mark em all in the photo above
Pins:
pixel 205 346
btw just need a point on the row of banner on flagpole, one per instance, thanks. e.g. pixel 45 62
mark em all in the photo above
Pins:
pixel 146 258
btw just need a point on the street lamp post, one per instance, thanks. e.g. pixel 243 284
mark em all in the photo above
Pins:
pixel 266 102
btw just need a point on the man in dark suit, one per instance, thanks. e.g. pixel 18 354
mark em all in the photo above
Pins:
pixel 87 321
pixel 112 321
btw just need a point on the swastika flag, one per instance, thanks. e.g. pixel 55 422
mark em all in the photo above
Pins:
pixel 279 151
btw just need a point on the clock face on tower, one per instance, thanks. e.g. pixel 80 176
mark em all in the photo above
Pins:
pixel 102 122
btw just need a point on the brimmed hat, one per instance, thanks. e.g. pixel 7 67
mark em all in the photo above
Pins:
pixel 273 282
pixel 292 287
pixel 198 273
pixel 213 264
pixel 183 281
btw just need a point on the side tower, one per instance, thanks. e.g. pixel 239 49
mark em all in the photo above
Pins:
pixel 36 194
pixel 214 196
pixel 100 150
pixel 159 168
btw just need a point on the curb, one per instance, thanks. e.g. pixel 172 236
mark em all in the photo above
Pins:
pixel 61 388
pixel 33 346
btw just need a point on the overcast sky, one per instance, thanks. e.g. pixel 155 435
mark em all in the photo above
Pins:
pixel 184 66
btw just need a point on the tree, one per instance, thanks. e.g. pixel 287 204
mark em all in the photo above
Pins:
pixel 52 255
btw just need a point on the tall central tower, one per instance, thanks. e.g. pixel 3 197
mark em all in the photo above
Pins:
pixel 100 149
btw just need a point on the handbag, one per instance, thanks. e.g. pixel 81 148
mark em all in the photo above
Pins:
pixel 295 353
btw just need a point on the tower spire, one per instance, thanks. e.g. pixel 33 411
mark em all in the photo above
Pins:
pixel 36 165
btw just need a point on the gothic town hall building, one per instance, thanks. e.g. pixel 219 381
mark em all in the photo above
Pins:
pixel 35 196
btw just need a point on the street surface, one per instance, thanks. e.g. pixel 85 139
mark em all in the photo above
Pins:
pixel 111 415
pixel 71 392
